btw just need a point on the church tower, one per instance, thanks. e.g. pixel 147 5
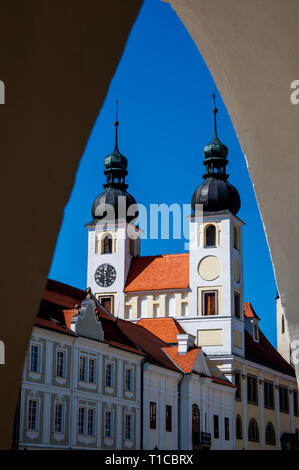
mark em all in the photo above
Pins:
pixel 113 239
pixel 216 315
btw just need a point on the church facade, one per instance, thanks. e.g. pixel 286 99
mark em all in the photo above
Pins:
pixel 205 376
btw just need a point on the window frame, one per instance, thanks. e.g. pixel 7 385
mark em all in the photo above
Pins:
pixel 64 368
pixel 252 379
pixel 62 404
pixel 86 376
pixel 106 297
pixel 168 418
pixel 84 425
pixel 110 413
pixel 216 426
pixel 208 226
pixel 37 345
pixel 131 388
pixel 153 415
pixel 203 302
pixel 284 394
pixel 269 386
pixel 256 429
pixel 37 410
pixel 107 236
pixel 129 418
pixel 226 429
pixel 237 294
pixel 238 395
pixel 239 427
pixel 111 374
pixel 295 403
pixel 270 442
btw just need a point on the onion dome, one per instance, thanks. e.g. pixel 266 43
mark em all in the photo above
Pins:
pixel 216 193
pixel 113 203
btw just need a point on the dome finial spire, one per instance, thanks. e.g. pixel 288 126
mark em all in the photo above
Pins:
pixel 116 123
pixel 215 110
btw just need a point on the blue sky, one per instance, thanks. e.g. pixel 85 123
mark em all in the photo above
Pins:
pixel 165 111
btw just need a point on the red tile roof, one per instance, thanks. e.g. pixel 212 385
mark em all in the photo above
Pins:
pixel 220 381
pixel 53 325
pixel 249 311
pixel 63 294
pixel 265 354
pixel 149 343
pixel 165 328
pixel 183 361
pixel 158 273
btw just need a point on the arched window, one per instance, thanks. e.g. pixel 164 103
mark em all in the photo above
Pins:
pixel 236 238
pixel 270 435
pixel 282 324
pixel 238 427
pixel 253 431
pixel 210 235
pixel 195 427
pixel 170 306
pixel 107 245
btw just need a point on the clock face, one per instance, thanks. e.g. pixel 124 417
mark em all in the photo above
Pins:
pixel 105 275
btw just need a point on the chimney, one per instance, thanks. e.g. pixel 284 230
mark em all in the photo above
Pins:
pixel 184 342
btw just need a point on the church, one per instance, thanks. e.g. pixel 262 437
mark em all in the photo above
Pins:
pixel 161 351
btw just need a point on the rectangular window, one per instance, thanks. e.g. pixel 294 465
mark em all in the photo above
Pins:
pixel 209 301
pixel 226 429
pixel 109 375
pixel 60 363
pixel 296 411
pixel 90 422
pixel 87 369
pixel 108 424
pixel 81 421
pixel 128 427
pixel 33 415
pixel 216 427
pixel 153 415
pixel 168 416
pixel 252 393
pixel 268 395
pixel 86 421
pixel 129 379
pixel 35 358
pixel 107 303
pixel 91 370
pixel 284 399
pixel 237 304
pixel 82 373
pixel 59 418
pixel 238 385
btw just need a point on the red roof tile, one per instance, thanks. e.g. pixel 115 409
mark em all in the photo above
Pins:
pixel 149 343
pixel 220 381
pixel 249 311
pixel 158 273
pixel 264 353
pixel 63 294
pixel 183 361
pixel 52 325
pixel 165 328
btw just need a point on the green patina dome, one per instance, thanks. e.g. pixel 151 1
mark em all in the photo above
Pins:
pixel 116 161
pixel 216 149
